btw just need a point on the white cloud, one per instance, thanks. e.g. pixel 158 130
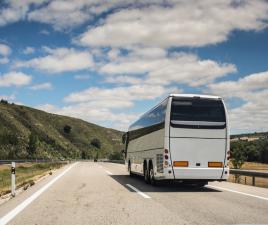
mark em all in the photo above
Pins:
pixel 69 14
pixel 14 79
pixel 4 50
pixel 48 108
pixel 162 68
pixel 101 105
pixel 61 14
pixel 93 114
pixel 253 90
pixel 60 60
pixel 242 86
pixel 252 116
pixel 123 80
pixel 28 50
pixel 42 86
pixel 118 94
pixel 12 10
pixel 177 23
pixel 8 97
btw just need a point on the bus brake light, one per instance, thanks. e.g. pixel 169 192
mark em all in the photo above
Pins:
pixel 215 164
pixel 180 163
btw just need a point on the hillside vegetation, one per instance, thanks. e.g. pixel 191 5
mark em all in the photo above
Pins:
pixel 30 133
pixel 251 147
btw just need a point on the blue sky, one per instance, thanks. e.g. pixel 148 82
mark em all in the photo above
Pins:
pixel 109 61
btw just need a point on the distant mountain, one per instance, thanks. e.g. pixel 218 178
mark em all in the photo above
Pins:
pixel 30 133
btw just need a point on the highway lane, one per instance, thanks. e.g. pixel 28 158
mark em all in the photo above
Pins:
pixel 97 193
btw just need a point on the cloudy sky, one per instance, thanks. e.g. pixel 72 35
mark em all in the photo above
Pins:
pixel 108 61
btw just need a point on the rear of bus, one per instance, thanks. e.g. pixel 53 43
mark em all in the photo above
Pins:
pixel 198 138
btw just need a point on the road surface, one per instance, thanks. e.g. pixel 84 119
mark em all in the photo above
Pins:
pixel 103 193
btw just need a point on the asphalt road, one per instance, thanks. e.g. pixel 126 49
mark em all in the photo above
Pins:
pixel 103 193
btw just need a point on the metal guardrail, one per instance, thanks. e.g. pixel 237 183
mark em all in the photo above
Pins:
pixel 29 160
pixel 249 173
pixel 114 161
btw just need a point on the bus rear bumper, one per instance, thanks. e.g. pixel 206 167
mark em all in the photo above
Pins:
pixel 201 173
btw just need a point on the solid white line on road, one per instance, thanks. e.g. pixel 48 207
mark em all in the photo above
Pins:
pixel 8 217
pixel 138 191
pixel 237 192
pixel 107 171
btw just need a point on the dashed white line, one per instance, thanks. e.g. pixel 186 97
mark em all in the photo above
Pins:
pixel 138 191
pixel 107 171
pixel 13 213
pixel 237 192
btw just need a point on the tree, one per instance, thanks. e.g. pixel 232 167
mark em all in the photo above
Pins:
pixel 96 143
pixel 33 143
pixel 67 129
pixel 238 158
pixel 116 156
pixel 83 155
pixel 263 150
pixel 5 102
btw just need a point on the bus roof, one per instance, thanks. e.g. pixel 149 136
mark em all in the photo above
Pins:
pixel 195 95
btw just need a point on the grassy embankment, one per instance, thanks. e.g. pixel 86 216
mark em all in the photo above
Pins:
pixel 28 133
pixel 26 174
pixel 260 182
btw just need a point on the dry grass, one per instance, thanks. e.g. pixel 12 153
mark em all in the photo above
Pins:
pixel 259 182
pixel 26 174
pixel 255 166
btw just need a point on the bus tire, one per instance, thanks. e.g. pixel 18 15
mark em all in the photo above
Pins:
pixel 129 169
pixel 151 175
pixel 146 175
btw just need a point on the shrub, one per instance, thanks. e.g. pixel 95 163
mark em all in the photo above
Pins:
pixel 67 129
pixel 96 143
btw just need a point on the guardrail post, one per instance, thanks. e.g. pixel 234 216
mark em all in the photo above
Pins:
pixel 253 181
pixel 13 179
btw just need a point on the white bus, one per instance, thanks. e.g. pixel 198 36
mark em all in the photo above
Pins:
pixel 185 138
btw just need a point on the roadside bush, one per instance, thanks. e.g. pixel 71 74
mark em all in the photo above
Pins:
pixel 115 156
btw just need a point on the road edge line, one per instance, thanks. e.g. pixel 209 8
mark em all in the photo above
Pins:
pixel 107 171
pixel 237 192
pixel 13 213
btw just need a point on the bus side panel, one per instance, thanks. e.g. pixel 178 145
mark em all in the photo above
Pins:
pixel 145 148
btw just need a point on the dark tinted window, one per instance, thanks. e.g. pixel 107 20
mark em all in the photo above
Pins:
pixel 198 109
pixel 153 117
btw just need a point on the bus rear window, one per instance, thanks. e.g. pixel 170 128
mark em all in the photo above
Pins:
pixel 198 111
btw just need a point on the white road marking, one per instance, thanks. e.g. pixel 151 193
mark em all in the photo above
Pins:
pixel 138 191
pixel 13 213
pixel 107 171
pixel 237 192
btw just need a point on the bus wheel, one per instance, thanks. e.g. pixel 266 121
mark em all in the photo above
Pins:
pixel 146 175
pixel 151 176
pixel 129 169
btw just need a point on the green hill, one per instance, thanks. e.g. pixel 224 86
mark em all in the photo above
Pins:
pixel 30 133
